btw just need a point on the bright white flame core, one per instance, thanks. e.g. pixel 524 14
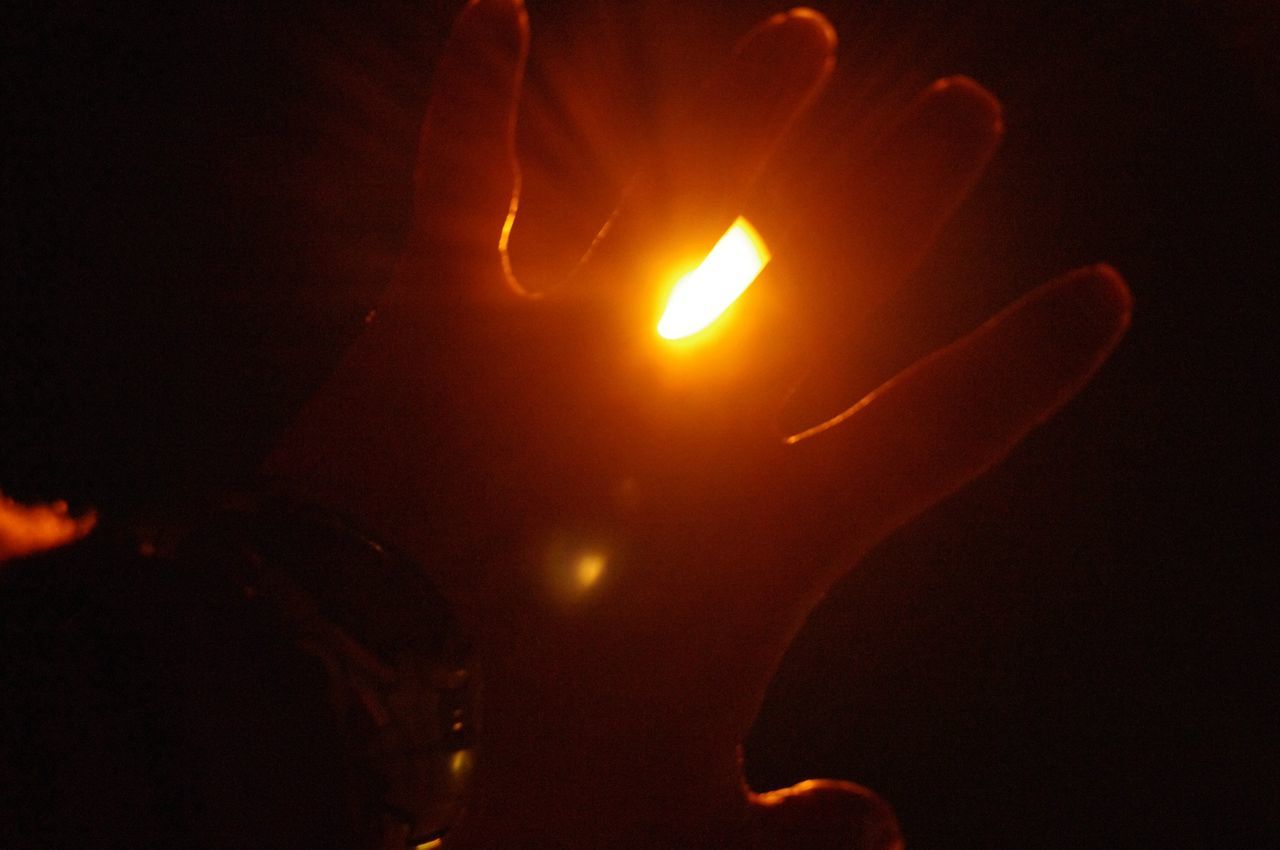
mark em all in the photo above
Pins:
pixel 707 291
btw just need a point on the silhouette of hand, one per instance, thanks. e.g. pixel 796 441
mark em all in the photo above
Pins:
pixel 621 521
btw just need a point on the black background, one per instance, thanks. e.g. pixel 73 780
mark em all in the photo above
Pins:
pixel 200 201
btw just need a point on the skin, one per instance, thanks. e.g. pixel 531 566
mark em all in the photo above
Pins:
pixel 516 445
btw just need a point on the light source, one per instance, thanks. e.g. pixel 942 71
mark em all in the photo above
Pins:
pixel 703 294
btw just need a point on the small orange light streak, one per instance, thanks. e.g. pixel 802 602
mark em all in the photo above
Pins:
pixel 703 294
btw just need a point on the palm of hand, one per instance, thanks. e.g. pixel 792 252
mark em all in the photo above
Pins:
pixel 624 526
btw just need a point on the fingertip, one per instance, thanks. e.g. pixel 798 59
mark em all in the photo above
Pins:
pixel 1071 324
pixel 800 40
pixel 827 813
pixel 1112 297
pixel 1100 287
pixel 1115 286
pixel 970 101
pixel 816 23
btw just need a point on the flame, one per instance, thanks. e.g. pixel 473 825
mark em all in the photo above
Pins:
pixel 704 293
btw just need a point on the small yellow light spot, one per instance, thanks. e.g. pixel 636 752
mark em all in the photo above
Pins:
pixel 433 844
pixel 589 568
pixel 460 763
pixel 704 293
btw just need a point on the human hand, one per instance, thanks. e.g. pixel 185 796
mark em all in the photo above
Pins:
pixel 620 520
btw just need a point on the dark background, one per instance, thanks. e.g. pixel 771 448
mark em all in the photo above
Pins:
pixel 200 201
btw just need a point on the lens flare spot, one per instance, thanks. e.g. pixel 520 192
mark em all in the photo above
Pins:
pixel 588 569
pixel 703 294
pixel 460 763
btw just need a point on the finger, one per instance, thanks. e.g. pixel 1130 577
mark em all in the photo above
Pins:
pixel 689 193
pixel 962 409
pixel 879 216
pixel 825 814
pixel 467 175
pixel 859 238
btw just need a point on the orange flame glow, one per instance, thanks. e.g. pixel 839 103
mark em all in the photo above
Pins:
pixel 25 529
pixel 704 293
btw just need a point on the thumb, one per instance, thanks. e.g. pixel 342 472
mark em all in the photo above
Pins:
pixel 826 814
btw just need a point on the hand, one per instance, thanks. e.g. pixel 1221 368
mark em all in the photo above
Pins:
pixel 621 521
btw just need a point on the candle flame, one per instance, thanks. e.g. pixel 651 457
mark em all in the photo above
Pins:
pixel 704 293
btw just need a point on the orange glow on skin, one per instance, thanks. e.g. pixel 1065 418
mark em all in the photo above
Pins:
pixel 26 529
pixel 702 295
